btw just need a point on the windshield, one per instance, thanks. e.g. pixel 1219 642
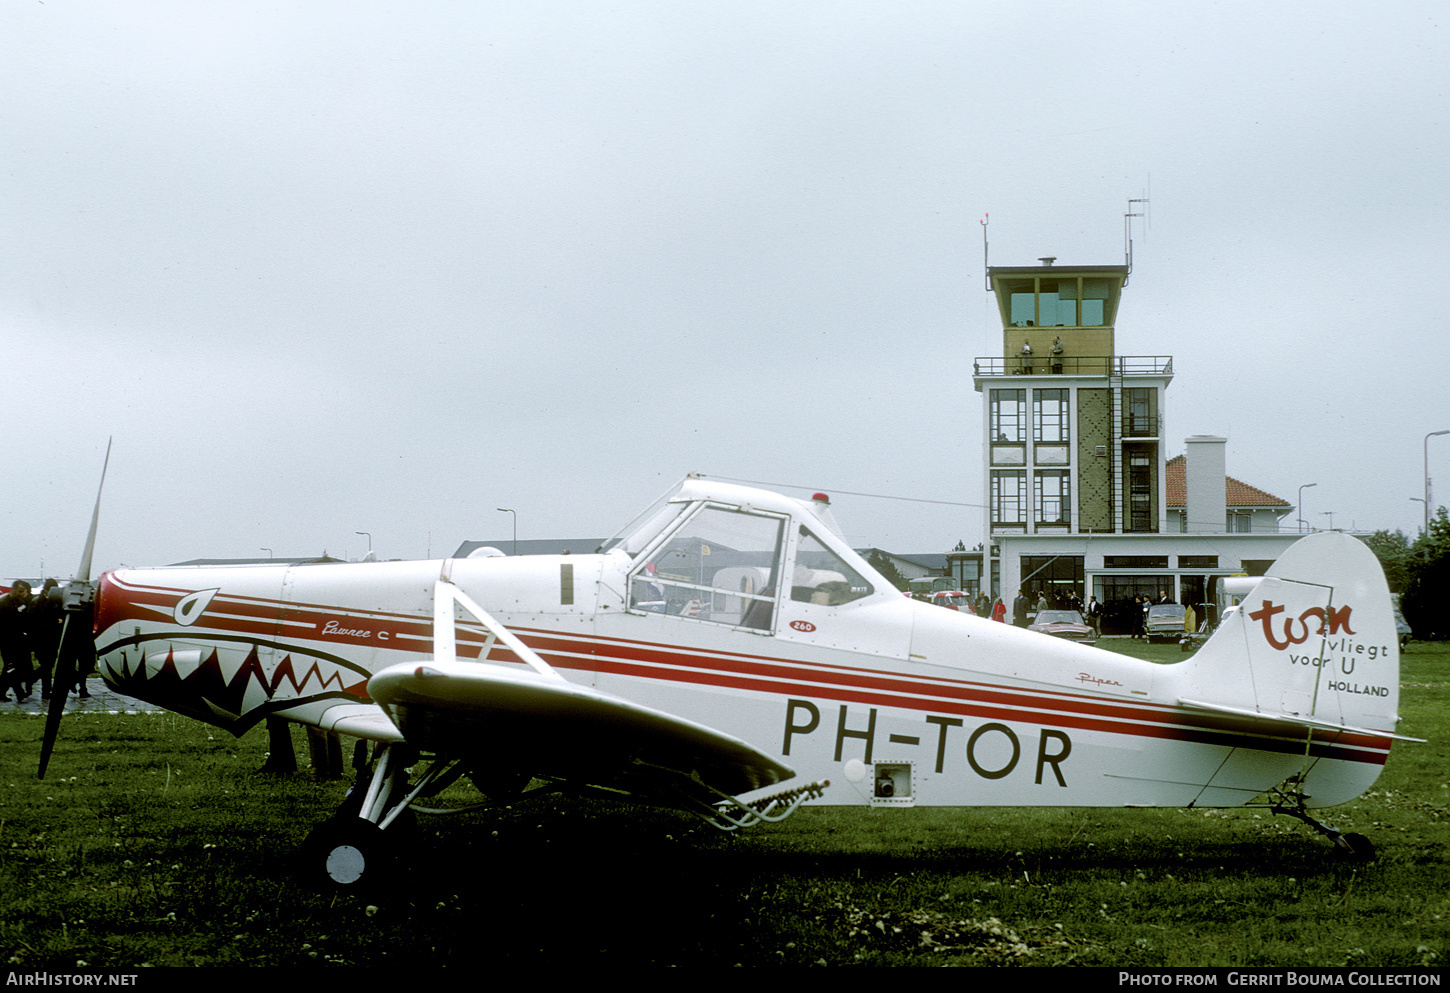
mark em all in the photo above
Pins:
pixel 653 525
pixel 721 565
pixel 1173 610
pixel 1059 617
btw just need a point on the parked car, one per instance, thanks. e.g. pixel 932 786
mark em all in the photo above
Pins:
pixel 1165 621
pixel 1066 624
pixel 953 600
pixel 1402 627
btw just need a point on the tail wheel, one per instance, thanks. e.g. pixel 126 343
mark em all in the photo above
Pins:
pixel 1355 846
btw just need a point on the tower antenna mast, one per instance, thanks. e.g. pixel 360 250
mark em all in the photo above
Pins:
pixel 986 276
pixel 1128 236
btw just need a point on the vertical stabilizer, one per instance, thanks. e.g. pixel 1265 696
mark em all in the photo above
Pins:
pixel 1314 642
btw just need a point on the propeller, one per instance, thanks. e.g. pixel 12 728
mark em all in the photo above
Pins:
pixel 76 641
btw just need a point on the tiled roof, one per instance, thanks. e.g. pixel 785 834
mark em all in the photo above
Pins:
pixel 1236 494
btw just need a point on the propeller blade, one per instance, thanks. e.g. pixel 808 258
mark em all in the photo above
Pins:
pixel 83 574
pixel 76 641
pixel 77 650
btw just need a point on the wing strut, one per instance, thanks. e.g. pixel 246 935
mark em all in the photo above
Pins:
pixel 445 635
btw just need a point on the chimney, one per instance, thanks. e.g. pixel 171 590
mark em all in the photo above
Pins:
pixel 1206 490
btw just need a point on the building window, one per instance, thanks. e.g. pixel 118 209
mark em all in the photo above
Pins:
pixel 967 575
pixel 1122 612
pixel 1095 296
pixel 1022 302
pixel 1049 416
pixel 1135 562
pixel 1054 301
pixel 1138 414
pixel 1057 303
pixel 1009 415
pixel 1140 492
pixel 1052 492
pixel 1198 561
pixel 1009 497
pixel 1240 521
pixel 1057 577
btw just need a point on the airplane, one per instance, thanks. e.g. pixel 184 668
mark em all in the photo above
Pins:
pixel 728 654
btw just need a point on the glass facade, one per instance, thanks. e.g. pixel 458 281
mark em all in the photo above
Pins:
pixel 1059 301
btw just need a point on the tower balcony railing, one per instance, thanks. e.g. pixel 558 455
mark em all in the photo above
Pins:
pixel 1073 365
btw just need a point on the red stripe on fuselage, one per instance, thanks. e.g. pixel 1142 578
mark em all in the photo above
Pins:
pixel 939 695
pixel 258 617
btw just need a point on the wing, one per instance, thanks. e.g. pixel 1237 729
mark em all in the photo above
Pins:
pixel 535 722
pixel 361 720
pixel 552 728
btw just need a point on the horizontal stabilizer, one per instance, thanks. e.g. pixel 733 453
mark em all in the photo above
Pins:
pixel 1308 722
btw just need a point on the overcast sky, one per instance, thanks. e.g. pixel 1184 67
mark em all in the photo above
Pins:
pixel 329 267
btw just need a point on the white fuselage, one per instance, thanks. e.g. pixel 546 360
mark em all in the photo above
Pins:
pixel 895 702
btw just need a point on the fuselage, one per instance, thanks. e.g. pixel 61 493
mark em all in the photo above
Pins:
pixel 896 702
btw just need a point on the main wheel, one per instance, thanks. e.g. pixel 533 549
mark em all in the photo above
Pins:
pixel 348 853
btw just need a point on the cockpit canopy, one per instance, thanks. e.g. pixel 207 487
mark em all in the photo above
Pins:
pixel 726 554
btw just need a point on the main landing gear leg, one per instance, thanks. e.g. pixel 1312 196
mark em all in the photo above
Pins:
pixel 358 846
pixel 1348 844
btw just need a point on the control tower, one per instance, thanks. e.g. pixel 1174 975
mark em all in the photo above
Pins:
pixel 1073 430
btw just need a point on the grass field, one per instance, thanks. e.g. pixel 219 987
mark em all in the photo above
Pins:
pixel 154 841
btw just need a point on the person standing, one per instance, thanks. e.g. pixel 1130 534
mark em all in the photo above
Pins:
pixel 999 611
pixel 47 618
pixel 15 642
pixel 1020 606
pixel 1095 616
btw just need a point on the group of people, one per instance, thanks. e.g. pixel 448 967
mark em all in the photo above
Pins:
pixel 1093 612
pixel 1140 612
pixel 30 629
pixel 993 607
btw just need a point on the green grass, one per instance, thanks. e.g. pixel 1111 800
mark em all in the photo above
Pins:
pixel 154 841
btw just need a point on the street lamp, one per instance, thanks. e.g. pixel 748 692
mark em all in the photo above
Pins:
pixel 506 510
pixel 1330 515
pixel 1301 503
pixel 1432 434
pixel 268 551
pixel 370 541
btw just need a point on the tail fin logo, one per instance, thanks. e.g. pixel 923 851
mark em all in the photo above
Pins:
pixel 1297 630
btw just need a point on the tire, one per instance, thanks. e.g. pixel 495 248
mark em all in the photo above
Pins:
pixel 1355 846
pixel 349 854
